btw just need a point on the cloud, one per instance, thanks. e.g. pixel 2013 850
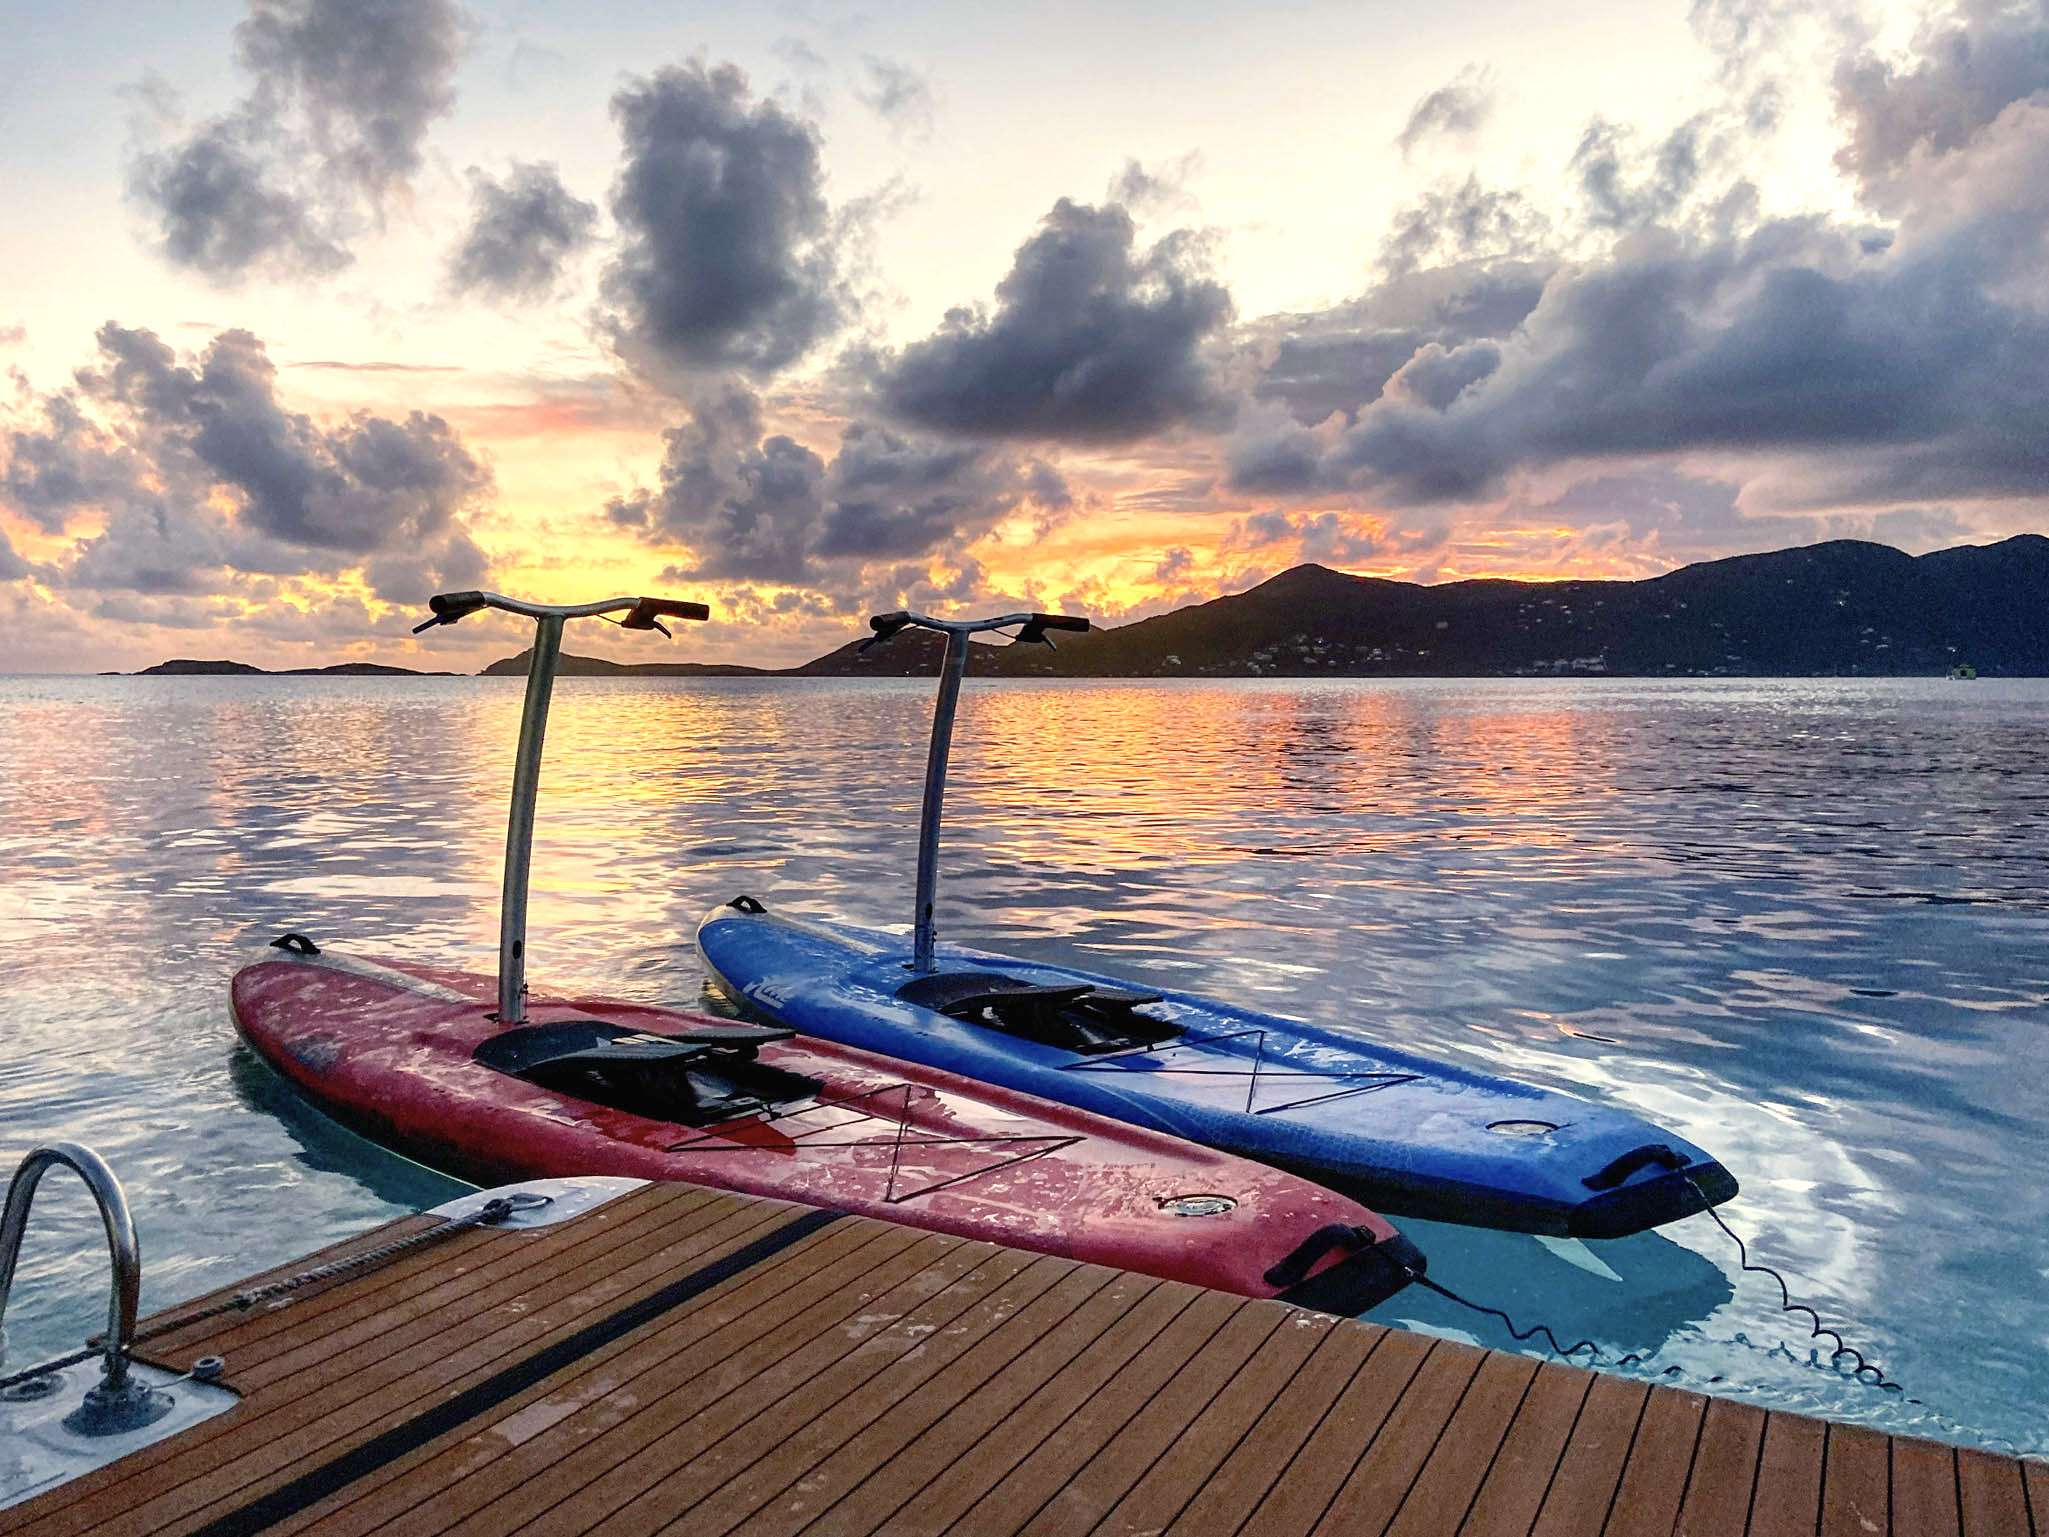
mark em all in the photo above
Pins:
pixel 1462 221
pixel 341 95
pixel 523 233
pixel 12 567
pixel 1457 110
pixel 1155 189
pixel 1339 360
pixel 1971 65
pixel 1090 340
pixel 899 95
pixel 727 257
pixel 1841 366
pixel 760 506
pixel 199 473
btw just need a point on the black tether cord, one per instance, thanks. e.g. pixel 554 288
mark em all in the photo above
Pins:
pixel 1862 1369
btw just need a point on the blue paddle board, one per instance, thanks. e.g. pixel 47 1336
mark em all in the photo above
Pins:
pixel 1399 1131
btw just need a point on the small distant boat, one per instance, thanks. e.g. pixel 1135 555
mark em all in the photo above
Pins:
pixel 1963 672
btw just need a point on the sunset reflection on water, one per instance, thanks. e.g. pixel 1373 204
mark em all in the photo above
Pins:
pixel 1800 923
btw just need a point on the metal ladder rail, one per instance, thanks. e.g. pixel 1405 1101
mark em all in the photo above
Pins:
pixel 117 1395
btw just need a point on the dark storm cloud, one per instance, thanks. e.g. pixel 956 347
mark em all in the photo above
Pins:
pixel 727 257
pixel 1090 340
pixel 897 94
pixel 62 464
pixel 763 507
pixel 198 472
pixel 223 206
pixel 1339 360
pixel 523 232
pixel 341 95
pixel 1456 110
pixel 1865 366
pixel 1973 64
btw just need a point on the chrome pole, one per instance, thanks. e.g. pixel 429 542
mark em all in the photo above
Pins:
pixel 952 667
pixel 123 1246
pixel 519 830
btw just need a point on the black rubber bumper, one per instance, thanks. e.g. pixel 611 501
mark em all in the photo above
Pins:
pixel 1363 1280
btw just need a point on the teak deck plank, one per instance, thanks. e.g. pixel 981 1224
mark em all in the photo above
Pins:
pixel 1158 1498
pixel 561 1309
pixel 1660 1458
pixel 1379 1483
pixel 1717 1502
pixel 935 1432
pixel 1514 1486
pixel 1077 1504
pixel 1319 1469
pixel 694 1362
pixel 637 1454
pixel 1246 1477
pixel 934 1491
pixel 1924 1488
pixel 542 1429
pixel 1856 1483
pixel 1447 1483
pixel 1583 1485
pixel 951 1361
pixel 1787 1500
pixel 1994 1494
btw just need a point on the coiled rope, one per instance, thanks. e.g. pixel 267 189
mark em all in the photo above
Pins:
pixel 490 1214
pixel 1863 1369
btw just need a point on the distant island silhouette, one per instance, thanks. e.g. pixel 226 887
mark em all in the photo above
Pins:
pixel 1846 608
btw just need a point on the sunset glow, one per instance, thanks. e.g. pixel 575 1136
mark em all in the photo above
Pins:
pixel 807 311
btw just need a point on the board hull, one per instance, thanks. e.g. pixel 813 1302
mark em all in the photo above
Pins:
pixel 1401 1132
pixel 390 1050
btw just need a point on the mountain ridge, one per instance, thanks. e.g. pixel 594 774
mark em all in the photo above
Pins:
pixel 1844 607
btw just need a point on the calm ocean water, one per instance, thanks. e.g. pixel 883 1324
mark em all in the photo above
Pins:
pixel 1805 924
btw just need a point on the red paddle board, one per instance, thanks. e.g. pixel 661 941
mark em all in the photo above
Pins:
pixel 414 1058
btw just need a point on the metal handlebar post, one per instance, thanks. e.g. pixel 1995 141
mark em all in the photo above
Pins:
pixel 543 662
pixel 953 667
pixel 117 1403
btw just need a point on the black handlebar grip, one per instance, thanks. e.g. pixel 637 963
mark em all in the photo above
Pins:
pixel 1060 621
pixel 451 606
pixel 888 624
pixel 643 613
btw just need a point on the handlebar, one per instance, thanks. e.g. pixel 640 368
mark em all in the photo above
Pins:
pixel 1032 631
pixel 641 613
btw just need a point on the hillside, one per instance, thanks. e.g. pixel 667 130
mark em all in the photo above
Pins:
pixel 1841 609
pixel 1845 608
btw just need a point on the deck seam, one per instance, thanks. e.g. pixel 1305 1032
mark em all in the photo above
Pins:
pixel 1622 1468
pixel 1756 1474
pixel 936 1330
pixel 1137 1413
pixel 789 1258
pixel 1493 1457
pixel 1436 1440
pixel 791 1392
pixel 1373 1440
pixel 1251 1425
pixel 882 1468
pixel 1101 1284
pixel 290 1498
pixel 1328 1409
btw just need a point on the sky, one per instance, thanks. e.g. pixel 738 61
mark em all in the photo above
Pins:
pixel 310 308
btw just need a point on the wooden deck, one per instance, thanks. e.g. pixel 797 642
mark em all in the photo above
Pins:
pixel 681 1360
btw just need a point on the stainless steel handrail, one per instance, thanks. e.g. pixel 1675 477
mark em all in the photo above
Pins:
pixel 123 1246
